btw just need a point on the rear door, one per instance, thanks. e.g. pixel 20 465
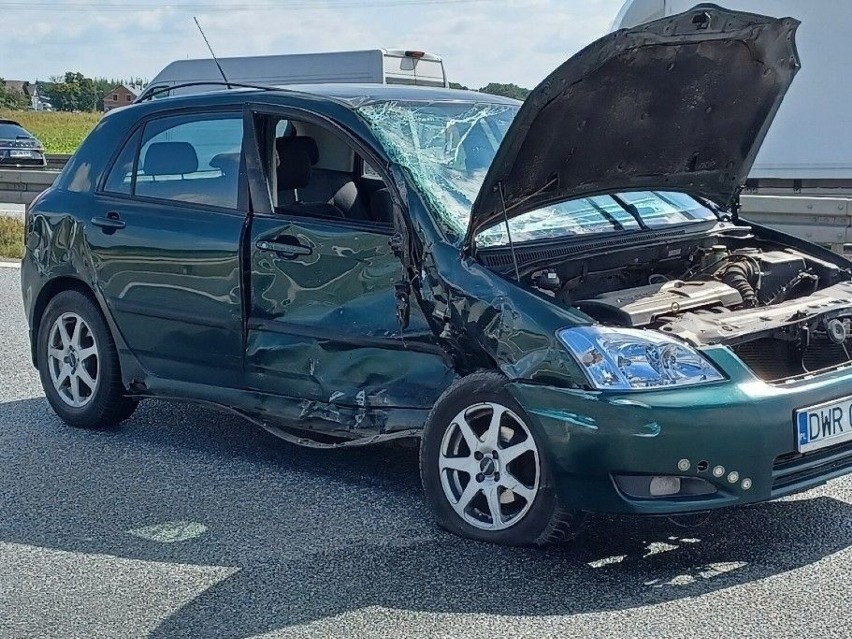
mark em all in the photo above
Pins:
pixel 165 243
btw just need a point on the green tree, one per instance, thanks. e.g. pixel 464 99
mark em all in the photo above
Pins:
pixel 506 90
pixel 456 85
pixel 73 92
pixel 12 99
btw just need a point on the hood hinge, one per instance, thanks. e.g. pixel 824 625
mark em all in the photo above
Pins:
pixel 736 205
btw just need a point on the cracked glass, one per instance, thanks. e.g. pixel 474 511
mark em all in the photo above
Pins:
pixel 446 149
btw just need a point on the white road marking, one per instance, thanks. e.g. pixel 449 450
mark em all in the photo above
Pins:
pixel 170 532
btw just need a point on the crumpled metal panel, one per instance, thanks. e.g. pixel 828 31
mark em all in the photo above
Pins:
pixel 486 321
pixel 324 330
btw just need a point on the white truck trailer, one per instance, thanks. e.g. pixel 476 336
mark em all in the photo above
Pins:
pixel 383 66
pixel 801 182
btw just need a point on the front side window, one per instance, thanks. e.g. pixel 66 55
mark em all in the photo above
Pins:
pixel 191 158
pixel 314 172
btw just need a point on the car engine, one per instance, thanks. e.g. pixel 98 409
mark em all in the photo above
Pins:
pixel 784 312
pixel 741 279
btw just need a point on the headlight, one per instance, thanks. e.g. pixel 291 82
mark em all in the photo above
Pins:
pixel 627 358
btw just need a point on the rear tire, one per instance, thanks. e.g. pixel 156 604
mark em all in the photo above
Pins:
pixel 78 364
pixel 480 455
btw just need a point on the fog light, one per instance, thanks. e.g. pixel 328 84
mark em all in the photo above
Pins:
pixel 746 483
pixel 718 471
pixel 733 477
pixel 683 465
pixel 661 486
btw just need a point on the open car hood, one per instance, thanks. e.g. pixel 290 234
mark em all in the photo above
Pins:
pixel 678 104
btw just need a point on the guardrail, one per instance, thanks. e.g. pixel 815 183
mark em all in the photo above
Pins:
pixel 823 220
pixel 20 186
pixel 57 160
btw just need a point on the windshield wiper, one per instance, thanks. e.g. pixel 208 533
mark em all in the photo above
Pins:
pixel 618 226
pixel 632 210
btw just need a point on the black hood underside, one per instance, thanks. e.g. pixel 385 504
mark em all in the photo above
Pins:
pixel 679 104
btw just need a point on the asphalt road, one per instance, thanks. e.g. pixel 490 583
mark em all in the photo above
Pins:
pixel 188 523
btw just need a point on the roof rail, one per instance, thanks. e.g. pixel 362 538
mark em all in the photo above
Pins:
pixel 164 89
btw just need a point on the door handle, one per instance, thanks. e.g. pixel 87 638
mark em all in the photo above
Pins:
pixel 112 222
pixel 283 247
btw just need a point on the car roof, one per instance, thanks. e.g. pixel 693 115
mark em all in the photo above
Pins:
pixel 352 95
pixel 3 121
pixel 357 93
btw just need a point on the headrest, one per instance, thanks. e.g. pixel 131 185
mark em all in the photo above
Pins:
pixel 304 142
pixel 227 163
pixel 170 158
pixel 294 168
pixel 381 206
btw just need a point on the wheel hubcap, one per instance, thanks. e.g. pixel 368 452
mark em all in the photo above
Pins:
pixel 72 360
pixel 489 466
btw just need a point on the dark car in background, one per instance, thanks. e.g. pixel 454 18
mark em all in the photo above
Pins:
pixel 19 147
pixel 557 297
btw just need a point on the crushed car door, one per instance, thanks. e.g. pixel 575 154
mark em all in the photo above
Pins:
pixel 323 322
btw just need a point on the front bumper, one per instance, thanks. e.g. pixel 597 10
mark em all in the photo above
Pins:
pixel 742 424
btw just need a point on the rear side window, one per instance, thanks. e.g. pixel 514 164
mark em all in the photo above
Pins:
pixel 191 158
pixel 120 178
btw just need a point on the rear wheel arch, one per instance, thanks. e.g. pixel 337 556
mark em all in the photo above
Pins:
pixel 78 362
pixel 50 290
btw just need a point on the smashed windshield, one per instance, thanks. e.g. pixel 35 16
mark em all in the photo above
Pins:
pixel 447 147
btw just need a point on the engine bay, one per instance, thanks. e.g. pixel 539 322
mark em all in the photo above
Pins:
pixel 742 278
pixel 785 312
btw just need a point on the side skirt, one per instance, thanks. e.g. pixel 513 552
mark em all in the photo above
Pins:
pixel 302 422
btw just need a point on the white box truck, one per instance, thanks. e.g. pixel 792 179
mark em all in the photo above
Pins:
pixel 801 181
pixel 383 66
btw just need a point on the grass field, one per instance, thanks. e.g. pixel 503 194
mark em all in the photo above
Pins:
pixel 11 237
pixel 59 132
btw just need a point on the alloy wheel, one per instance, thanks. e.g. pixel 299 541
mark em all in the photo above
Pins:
pixel 72 359
pixel 489 466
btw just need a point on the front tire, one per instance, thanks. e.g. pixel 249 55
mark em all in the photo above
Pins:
pixel 484 470
pixel 78 364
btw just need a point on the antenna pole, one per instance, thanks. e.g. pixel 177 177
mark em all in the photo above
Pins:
pixel 508 232
pixel 207 42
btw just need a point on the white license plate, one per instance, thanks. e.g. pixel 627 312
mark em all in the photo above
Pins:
pixel 19 154
pixel 824 425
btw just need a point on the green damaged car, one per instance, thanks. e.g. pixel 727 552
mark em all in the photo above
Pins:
pixel 557 297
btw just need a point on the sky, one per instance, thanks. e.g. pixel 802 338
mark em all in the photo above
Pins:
pixel 481 41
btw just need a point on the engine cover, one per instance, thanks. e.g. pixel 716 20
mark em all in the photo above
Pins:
pixel 642 305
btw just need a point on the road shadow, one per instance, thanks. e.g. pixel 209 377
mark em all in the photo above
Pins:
pixel 315 534
pixel 610 567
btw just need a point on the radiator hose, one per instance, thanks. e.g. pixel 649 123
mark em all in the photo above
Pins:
pixel 740 275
